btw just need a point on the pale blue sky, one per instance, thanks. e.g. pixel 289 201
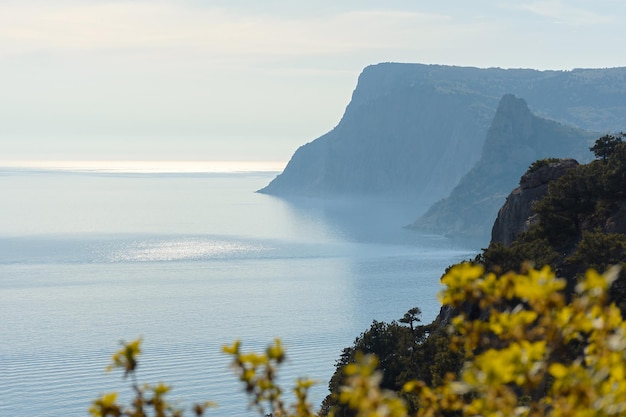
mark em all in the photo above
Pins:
pixel 250 80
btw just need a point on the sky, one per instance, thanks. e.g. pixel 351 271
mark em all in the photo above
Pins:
pixel 250 80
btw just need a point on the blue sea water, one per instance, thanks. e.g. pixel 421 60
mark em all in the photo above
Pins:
pixel 191 262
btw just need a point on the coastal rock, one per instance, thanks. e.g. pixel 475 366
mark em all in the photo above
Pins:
pixel 516 215
pixel 616 221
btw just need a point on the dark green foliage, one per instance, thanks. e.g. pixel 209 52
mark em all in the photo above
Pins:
pixel 599 250
pixel 440 359
pixel 572 218
pixel 583 197
pixel 540 164
pixel 398 349
pixel 570 200
pixel 604 147
pixel 614 175
pixel 529 246
pixel 412 316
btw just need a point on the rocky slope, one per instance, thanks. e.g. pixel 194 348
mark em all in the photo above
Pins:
pixel 515 139
pixel 516 215
pixel 412 130
pixel 568 215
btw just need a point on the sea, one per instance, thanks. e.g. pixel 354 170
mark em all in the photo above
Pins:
pixel 189 258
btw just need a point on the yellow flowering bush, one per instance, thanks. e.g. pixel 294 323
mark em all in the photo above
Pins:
pixel 258 373
pixel 530 351
pixel 149 400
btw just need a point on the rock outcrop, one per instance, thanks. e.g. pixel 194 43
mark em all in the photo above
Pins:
pixel 516 138
pixel 516 215
pixel 575 215
pixel 412 130
pixel 616 221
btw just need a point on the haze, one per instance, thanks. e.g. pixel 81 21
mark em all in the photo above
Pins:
pixel 248 80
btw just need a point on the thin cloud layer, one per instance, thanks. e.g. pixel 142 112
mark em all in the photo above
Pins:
pixel 102 25
pixel 570 13
pixel 232 76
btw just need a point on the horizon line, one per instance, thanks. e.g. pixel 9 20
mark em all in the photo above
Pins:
pixel 145 166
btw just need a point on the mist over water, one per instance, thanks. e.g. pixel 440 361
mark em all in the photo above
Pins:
pixel 190 262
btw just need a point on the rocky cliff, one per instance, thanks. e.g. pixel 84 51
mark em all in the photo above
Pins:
pixel 394 139
pixel 515 139
pixel 516 215
pixel 567 215
pixel 413 130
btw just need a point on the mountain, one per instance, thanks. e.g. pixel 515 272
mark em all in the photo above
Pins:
pixel 413 130
pixel 514 140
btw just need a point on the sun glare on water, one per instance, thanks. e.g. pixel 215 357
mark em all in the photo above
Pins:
pixel 148 167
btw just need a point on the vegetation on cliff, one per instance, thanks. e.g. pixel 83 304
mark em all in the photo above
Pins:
pixel 580 222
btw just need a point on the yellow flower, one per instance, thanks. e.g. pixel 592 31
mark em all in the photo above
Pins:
pixel 126 357
pixel 109 399
pixel 595 284
pixel 161 389
pixel 232 350
pixel 276 351
pixel 558 370
pixel 509 321
pixel 105 405
pixel 458 281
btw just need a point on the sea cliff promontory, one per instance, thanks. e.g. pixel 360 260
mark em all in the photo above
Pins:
pixel 413 131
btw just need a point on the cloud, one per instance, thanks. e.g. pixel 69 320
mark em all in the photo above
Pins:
pixel 561 12
pixel 80 26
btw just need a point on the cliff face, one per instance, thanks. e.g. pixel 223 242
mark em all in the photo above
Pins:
pixel 515 139
pixel 516 215
pixel 575 216
pixel 412 130
pixel 392 142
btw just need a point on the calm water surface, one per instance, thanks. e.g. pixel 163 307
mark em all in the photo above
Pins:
pixel 190 262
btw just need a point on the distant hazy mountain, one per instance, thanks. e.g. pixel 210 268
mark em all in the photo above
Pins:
pixel 412 130
pixel 516 138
